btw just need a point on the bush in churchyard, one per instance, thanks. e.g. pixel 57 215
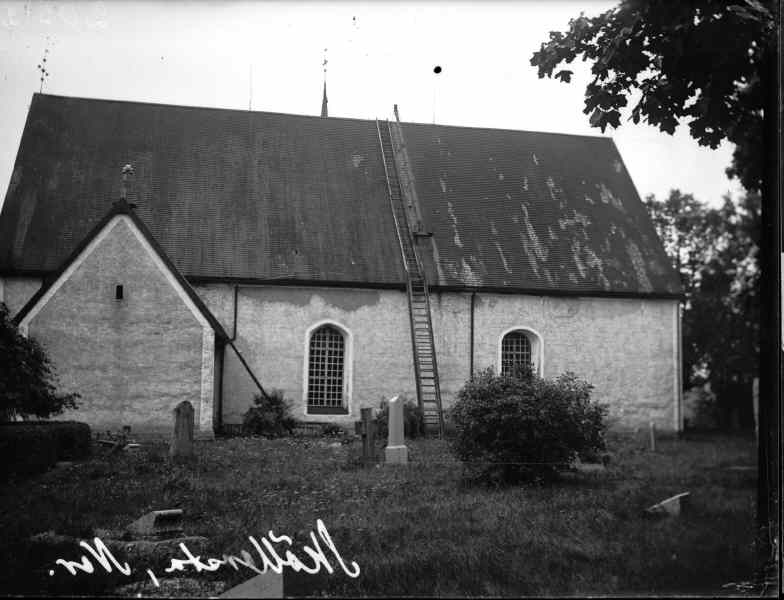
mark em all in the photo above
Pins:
pixel 269 416
pixel 522 427
pixel 27 377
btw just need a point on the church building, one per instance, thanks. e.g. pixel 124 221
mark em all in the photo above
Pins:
pixel 165 253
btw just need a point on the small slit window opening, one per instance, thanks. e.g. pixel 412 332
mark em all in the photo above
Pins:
pixel 118 292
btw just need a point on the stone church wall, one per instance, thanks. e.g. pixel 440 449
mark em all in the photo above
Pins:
pixel 627 348
pixel 132 360
pixel 272 326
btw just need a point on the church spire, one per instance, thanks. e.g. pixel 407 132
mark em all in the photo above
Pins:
pixel 324 114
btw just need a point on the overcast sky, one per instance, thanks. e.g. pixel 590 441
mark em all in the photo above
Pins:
pixel 270 54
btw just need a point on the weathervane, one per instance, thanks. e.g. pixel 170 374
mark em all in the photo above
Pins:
pixel 42 66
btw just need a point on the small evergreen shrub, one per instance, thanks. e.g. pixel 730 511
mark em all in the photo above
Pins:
pixel 29 447
pixel 413 419
pixel 700 409
pixel 332 430
pixel 27 376
pixel 510 429
pixel 270 416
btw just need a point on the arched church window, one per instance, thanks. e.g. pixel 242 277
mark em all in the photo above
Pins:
pixel 519 349
pixel 326 368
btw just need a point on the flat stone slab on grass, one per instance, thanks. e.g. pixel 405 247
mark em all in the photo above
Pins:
pixel 171 587
pixel 672 506
pixel 589 467
pixel 158 524
pixel 266 585
pixel 136 552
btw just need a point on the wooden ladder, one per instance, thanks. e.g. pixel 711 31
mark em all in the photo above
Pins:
pixel 425 365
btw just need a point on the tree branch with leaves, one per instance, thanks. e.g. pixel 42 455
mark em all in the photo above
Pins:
pixel 698 61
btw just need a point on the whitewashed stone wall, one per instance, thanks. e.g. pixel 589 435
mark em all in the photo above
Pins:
pixel 627 348
pixel 132 360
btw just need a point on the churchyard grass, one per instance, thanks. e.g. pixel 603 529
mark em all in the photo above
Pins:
pixel 416 529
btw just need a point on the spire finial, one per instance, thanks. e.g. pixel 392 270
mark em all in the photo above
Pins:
pixel 324 113
pixel 127 170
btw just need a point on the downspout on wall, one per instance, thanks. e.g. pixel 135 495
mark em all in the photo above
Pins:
pixel 471 343
pixel 220 357
pixel 219 418
pixel 679 408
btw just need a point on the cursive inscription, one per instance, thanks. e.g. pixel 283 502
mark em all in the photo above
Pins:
pixel 318 554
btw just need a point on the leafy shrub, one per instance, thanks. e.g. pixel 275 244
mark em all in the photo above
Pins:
pixel 450 430
pixel 27 378
pixel 413 419
pixel 510 429
pixel 270 416
pixel 29 447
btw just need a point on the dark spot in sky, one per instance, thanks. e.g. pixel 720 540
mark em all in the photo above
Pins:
pixel 437 69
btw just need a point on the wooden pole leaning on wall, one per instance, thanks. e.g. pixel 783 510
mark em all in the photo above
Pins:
pixel 652 427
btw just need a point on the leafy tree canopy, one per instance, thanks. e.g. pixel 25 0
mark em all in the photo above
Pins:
pixel 699 61
pixel 26 376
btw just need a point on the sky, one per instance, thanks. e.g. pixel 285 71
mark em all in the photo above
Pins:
pixel 269 56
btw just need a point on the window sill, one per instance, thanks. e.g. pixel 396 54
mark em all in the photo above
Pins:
pixel 326 410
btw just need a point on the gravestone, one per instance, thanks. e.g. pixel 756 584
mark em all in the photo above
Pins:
pixel 366 429
pixel 182 439
pixel 396 451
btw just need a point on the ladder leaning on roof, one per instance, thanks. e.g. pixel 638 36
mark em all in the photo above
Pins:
pixel 425 366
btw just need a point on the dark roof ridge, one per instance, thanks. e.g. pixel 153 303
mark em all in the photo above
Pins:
pixel 505 129
pixel 317 117
pixel 212 108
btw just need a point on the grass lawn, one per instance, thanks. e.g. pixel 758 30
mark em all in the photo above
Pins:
pixel 415 530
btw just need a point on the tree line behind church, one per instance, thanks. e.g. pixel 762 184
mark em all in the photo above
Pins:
pixel 715 251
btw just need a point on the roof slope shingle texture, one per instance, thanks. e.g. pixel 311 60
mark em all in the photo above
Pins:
pixel 250 195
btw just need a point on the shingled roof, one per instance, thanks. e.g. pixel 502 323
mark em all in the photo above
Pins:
pixel 272 197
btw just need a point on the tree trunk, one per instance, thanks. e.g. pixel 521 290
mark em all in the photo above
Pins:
pixel 770 323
